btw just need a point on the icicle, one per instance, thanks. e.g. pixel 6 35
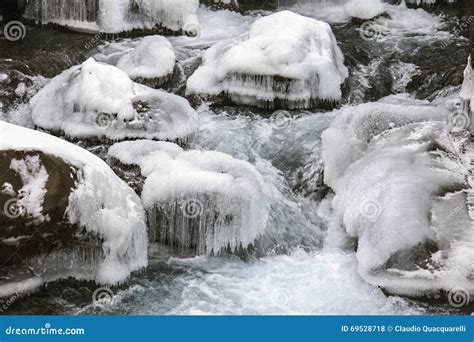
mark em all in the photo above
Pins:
pixel 213 224
pixel 113 16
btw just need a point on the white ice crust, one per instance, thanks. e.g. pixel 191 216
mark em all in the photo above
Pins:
pixel 398 179
pixel 96 100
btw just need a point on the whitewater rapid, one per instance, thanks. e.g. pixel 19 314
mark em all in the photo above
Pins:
pixel 312 276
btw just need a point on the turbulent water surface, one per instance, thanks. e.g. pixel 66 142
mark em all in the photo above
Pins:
pixel 420 55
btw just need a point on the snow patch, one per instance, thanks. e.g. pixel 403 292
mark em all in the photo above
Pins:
pixel 34 177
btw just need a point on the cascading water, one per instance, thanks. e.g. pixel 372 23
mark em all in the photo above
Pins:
pixel 114 16
pixel 305 267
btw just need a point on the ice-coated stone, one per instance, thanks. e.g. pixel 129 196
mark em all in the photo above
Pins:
pixel 286 60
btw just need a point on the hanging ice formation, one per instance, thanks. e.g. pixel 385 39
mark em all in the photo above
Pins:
pixel 198 200
pixel 114 16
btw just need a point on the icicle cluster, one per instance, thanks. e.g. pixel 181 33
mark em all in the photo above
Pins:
pixel 114 16
pixel 200 200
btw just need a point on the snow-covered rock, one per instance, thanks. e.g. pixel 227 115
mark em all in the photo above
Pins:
pixel 114 16
pixel 149 60
pixel 152 58
pixel 285 60
pixel 100 100
pixel 401 193
pixel 200 200
pixel 61 202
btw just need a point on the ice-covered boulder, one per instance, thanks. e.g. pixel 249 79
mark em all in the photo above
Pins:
pixel 115 16
pixel 400 192
pixel 65 213
pixel 100 100
pixel 286 60
pixel 198 200
pixel 152 58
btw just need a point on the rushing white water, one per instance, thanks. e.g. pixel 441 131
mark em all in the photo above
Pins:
pixel 306 281
pixel 312 277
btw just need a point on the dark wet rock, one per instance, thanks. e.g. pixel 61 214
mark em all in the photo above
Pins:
pixel 23 235
pixel 35 247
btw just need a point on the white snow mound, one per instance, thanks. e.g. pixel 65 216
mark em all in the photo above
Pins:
pixel 153 57
pixel 285 58
pixel 100 100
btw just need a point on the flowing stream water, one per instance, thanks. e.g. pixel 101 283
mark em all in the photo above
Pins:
pixel 421 56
